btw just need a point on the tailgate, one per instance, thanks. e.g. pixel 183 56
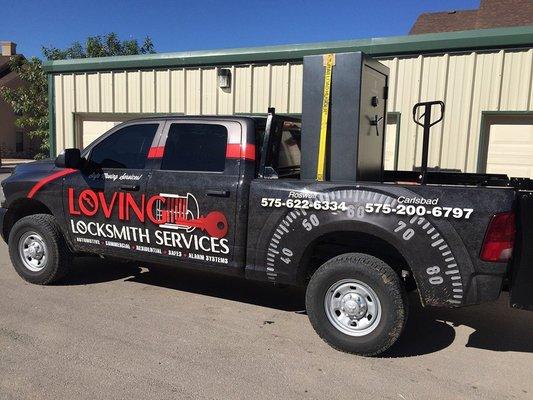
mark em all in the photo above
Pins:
pixel 521 289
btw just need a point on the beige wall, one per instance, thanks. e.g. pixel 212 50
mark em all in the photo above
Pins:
pixel 183 91
pixel 469 83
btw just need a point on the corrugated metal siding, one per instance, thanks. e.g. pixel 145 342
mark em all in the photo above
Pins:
pixel 185 91
pixel 469 83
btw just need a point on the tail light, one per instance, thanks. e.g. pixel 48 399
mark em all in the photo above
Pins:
pixel 499 239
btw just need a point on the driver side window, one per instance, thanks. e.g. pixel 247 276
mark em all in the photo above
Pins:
pixel 126 148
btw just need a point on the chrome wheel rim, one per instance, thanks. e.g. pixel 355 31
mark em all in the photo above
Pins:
pixel 352 307
pixel 33 251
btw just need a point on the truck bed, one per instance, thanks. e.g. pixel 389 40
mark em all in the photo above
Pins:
pixel 441 252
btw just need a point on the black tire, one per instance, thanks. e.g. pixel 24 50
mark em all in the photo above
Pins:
pixel 382 280
pixel 58 256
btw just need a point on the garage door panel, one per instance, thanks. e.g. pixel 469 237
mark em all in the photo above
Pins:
pixel 510 148
pixel 513 171
pixel 510 136
pixel 509 158
pixel 92 130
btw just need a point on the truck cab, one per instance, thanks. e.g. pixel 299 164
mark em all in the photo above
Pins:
pixel 152 182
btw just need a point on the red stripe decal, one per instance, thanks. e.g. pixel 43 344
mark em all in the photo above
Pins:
pixel 156 152
pixel 49 179
pixel 246 152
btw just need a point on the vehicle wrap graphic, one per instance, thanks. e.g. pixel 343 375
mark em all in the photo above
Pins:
pixel 430 244
pixel 182 212
pixel 233 151
pixel 50 178
pixel 165 224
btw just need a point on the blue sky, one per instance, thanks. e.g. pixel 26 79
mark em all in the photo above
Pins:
pixel 207 24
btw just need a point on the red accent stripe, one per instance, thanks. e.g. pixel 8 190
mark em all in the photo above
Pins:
pixel 237 151
pixel 232 151
pixel 49 179
pixel 156 152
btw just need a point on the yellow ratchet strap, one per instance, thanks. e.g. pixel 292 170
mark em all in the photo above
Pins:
pixel 329 62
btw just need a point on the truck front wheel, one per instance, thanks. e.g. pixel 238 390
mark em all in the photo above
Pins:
pixel 38 250
pixel 357 304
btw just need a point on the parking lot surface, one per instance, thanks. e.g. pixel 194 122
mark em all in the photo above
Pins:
pixel 136 331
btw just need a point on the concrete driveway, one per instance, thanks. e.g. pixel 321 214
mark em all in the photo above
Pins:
pixel 128 332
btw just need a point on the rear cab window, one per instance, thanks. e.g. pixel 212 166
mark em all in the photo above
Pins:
pixel 195 147
pixel 284 156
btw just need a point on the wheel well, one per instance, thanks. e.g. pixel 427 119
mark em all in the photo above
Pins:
pixel 20 209
pixel 336 243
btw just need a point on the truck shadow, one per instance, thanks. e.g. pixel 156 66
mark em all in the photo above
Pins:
pixel 495 326
pixel 92 270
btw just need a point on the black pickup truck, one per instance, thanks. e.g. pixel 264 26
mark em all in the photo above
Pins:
pixel 224 194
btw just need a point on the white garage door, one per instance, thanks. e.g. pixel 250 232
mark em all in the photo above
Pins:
pixel 92 130
pixel 510 149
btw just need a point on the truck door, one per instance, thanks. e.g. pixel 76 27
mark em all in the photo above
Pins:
pixel 196 184
pixel 104 203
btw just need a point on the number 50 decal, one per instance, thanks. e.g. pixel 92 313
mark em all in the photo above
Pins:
pixel 310 223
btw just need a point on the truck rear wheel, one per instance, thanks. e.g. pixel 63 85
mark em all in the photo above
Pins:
pixel 38 250
pixel 357 304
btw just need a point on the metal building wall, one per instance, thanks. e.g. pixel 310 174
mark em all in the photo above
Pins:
pixel 184 91
pixel 469 83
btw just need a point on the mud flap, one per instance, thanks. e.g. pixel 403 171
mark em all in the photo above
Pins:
pixel 521 288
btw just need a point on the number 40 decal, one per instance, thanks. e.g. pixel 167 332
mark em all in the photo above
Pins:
pixel 288 254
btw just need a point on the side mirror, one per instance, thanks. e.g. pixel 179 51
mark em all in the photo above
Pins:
pixel 69 158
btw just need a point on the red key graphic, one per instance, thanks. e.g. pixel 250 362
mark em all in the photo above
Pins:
pixel 214 223
pixel 181 212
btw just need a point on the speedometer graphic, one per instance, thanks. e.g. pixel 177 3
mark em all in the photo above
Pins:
pixel 427 244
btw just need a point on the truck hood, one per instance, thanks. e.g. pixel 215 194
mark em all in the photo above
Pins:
pixel 29 178
pixel 37 167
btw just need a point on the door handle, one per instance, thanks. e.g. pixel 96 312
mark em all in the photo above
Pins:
pixel 130 188
pixel 217 193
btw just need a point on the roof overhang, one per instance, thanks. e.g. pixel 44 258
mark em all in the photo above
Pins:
pixel 483 39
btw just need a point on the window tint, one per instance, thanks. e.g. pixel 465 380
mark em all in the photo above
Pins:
pixel 126 148
pixel 195 147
